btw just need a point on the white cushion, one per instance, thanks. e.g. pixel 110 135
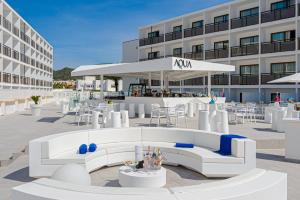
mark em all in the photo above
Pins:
pixel 238 147
pixel 207 139
pixel 120 147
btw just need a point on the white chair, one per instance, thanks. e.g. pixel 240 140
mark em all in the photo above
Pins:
pixel 84 114
pixel 177 113
pixel 157 113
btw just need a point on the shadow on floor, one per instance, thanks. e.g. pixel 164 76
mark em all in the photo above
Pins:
pixel 273 157
pixel 112 183
pixel 21 175
pixel 49 119
pixel 265 130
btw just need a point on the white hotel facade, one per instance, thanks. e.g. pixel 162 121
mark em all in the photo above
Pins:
pixel 26 58
pixel 259 37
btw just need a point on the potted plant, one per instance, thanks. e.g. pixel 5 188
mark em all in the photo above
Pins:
pixel 36 107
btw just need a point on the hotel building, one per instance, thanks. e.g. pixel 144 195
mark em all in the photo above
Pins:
pixel 26 58
pixel 259 37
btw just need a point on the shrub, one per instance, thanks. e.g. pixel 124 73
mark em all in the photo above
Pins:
pixel 35 99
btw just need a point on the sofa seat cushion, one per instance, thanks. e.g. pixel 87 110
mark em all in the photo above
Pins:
pixel 165 147
pixel 112 148
pixel 74 157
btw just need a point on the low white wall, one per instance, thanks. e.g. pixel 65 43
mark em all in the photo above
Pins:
pixel 292 138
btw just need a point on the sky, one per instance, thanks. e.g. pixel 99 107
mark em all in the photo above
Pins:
pixel 92 31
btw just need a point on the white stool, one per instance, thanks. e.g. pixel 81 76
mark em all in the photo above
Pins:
pixel 280 123
pixel 274 119
pixel 95 120
pixel 132 110
pixel 203 120
pixel 222 121
pixel 190 110
pixel 124 119
pixel 116 120
pixel 123 106
pixel 141 111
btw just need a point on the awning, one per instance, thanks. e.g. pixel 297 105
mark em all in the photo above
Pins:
pixel 295 78
pixel 174 68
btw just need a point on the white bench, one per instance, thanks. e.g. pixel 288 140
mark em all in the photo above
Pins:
pixel 48 153
pixel 256 184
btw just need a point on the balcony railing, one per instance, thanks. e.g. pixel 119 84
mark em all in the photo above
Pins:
pixel 220 79
pixel 6 77
pixel 6 50
pixel 25 59
pixel 190 32
pixel 6 24
pixel 280 46
pixel 24 37
pixel 194 55
pixel 173 36
pixel 144 59
pixel 244 21
pixel 237 79
pixel 194 81
pixel 216 27
pixel 15 79
pixel 25 80
pixel 32 81
pixel 151 40
pixel 174 55
pixel 273 15
pixel 216 53
pixel 266 77
pixel 245 50
pixel 16 55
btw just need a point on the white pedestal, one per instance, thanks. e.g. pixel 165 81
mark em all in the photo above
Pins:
pixel 203 120
pixel 151 178
pixel 190 112
pixel 268 114
pixel 213 117
pixel 222 121
pixel 141 111
pixel 132 110
pixel 280 123
pixel 116 120
pixel 95 120
pixel 124 119
pixel 274 119
pixel 292 139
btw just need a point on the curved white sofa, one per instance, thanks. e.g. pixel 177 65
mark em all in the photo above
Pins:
pixel 257 184
pixel 48 153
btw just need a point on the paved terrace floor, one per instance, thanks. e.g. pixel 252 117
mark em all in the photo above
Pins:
pixel 17 129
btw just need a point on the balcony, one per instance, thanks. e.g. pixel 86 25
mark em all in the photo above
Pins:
pixel 24 37
pixel 237 79
pixel 280 46
pixel 25 80
pixel 220 79
pixel 25 59
pixel 32 62
pixel 244 21
pixel 32 81
pixel 16 55
pixel 173 36
pixel 216 27
pixel 6 77
pixel 6 50
pixel 158 57
pixel 190 32
pixel 16 31
pixel 273 15
pixel 151 40
pixel 194 55
pixel 6 24
pixel 15 79
pixel 266 77
pixel 245 50
pixel 216 53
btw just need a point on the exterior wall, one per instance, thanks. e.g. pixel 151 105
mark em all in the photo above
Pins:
pixel 130 51
pixel 261 90
pixel 26 58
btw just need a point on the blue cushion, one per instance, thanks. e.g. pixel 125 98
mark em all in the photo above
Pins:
pixel 83 149
pixel 225 143
pixel 184 145
pixel 92 147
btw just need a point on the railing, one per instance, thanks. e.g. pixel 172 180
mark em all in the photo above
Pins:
pixel 144 59
pixel 25 59
pixel 273 15
pixel 216 53
pixel 174 55
pixel 16 31
pixel 194 55
pixel 280 46
pixel 32 81
pixel 152 40
pixel 6 50
pixel 15 79
pixel 216 27
pixel 245 50
pixel 24 37
pixel 266 77
pixel 32 62
pixel 6 77
pixel 237 79
pixel 25 80
pixel 194 81
pixel 173 36
pixel 244 21
pixel 190 32
pixel 220 79
pixel 16 55
pixel 6 24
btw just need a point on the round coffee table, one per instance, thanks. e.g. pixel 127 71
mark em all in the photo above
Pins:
pixel 129 177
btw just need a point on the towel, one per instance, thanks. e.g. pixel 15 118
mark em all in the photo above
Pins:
pixel 184 145
pixel 225 144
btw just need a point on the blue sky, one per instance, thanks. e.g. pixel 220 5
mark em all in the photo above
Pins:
pixel 92 31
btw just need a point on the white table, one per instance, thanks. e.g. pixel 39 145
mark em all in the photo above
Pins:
pixel 129 177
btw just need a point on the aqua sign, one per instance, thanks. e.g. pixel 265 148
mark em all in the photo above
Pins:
pixel 183 64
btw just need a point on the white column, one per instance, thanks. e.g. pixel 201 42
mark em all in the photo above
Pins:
pixel 149 80
pixel 208 83
pixel 161 83
pixel 102 88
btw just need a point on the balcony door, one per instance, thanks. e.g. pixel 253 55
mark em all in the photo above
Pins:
pixel 283 68
pixel 283 36
pixel 153 34
pixel 197 24
pixel 197 48
pixel 220 19
pixel 249 40
pixel 153 55
pixel 177 52
pixel 221 45
pixel 177 28
pixel 281 5
pixel 249 12
pixel 249 70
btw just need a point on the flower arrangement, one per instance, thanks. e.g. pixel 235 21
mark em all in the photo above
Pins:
pixel 35 99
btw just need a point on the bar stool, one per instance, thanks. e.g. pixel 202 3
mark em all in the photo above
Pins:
pixel 124 119
pixel 203 120
pixel 116 120
pixel 141 111
pixel 222 121
pixel 132 110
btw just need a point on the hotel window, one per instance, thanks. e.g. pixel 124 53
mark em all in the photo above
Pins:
pixel 283 68
pixel 249 12
pixel 221 45
pixel 153 34
pixel 281 5
pixel 249 40
pixel 197 48
pixel 223 18
pixel 152 55
pixel 283 36
pixel 177 28
pixel 177 52
pixel 197 24
pixel 249 70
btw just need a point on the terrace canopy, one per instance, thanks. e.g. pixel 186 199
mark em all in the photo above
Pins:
pixel 168 69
